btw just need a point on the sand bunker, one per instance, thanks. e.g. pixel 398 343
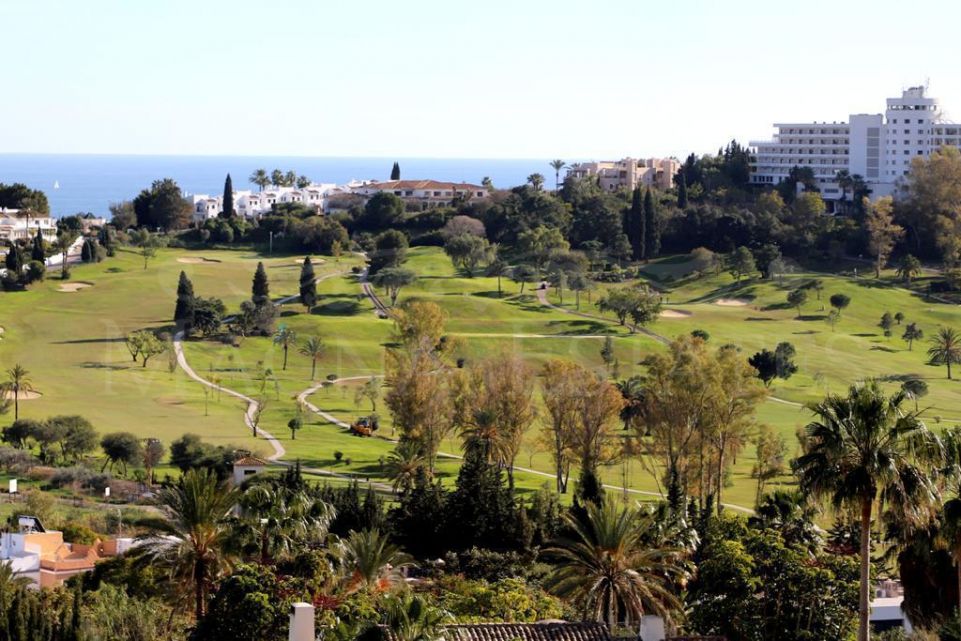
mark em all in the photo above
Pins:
pixel 23 396
pixel 313 261
pixel 731 302
pixel 675 313
pixel 74 287
pixel 194 260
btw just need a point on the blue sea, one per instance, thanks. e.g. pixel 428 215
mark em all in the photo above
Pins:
pixel 89 183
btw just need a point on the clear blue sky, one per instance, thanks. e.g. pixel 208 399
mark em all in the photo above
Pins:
pixel 445 78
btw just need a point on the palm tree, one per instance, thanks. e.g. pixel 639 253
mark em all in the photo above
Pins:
pixel 367 560
pixel 843 179
pixel 278 520
pixel 609 571
pixel 18 382
pixel 410 617
pixel 945 348
pixel 909 268
pixel 557 165
pixel 260 178
pixel 864 447
pixel 536 181
pixel 313 348
pixel 285 337
pixel 63 243
pixel 191 543
pixel 403 464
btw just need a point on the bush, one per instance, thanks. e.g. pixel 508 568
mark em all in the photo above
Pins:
pixel 80 477
pixel 78 533
pixel 35 272
pixel 489 565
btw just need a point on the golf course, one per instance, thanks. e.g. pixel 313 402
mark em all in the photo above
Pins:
pixel 70 337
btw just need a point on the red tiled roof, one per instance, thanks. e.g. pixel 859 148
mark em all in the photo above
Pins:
pixel 544 631
pixel 422 184
pixel 250 461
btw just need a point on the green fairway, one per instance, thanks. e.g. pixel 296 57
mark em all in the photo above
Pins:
pixel 72 344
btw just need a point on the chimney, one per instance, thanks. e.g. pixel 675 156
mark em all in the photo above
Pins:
pixel 301 622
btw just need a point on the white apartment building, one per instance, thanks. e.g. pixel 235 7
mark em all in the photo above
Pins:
pixel 252 204
pixel 877 147
pixel 628 173
pixel 13 227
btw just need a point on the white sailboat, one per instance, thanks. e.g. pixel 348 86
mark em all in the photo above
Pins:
pixel 56 184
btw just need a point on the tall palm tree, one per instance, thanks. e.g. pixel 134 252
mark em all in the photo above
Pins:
pixel 285 337
pixel 191 543
pixel 866 447
pixel 367 560
pixel 557 165
pixel 843 179
pixel 536 181
pixel 278 520
pixel 313 348
pixel 260 178
pixel 945 348
pixel 18 382
pixel 608 569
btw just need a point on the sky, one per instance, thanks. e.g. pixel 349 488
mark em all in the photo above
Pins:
pixel 447 78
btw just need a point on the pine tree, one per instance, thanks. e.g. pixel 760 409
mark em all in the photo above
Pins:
pixel 261 288
pixel 652 237
pixel 184 311
pixel 37 252
pixel 308 284
pixel 681 190
pixel 636 227
pixel 228 209
pixel 395 172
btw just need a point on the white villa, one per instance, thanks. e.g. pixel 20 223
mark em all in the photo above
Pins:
pixel 12 227
pixel 426 192
pixel 253 204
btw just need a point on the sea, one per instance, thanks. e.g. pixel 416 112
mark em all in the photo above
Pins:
pixel 80 183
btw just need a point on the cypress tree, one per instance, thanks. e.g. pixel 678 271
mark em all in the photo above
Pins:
pixel 184 311
pixel 395 172
pixel 228 209
pixel 636 228
pixel 86 252
pixel 652 237
pixel 308 284
pixel 681 190
pixel 37 253
pixel 14 261
pixel 261 288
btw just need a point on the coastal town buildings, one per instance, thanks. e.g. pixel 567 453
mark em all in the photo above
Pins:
pixel 428 193
pixel 43 557
pixel 628 173
pixel 877 147
pixel 14 226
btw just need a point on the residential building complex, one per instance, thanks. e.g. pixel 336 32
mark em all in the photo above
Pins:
pixel 628 173
pixel 13 227
pixel 253 204
pixel 428 193
pixel 877 147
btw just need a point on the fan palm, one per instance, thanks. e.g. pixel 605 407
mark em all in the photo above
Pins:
pixel 367 560
pixel 279 520
pixel 608 570
pixel 191 543
pixel 260 178
pixel 411 617
pixel 313 348
pixel 945 348
pixel 403 464
pixel 18 382
pixel 863 447
pixel 285 337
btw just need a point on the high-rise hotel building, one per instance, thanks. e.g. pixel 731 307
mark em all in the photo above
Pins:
pixel 878 148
